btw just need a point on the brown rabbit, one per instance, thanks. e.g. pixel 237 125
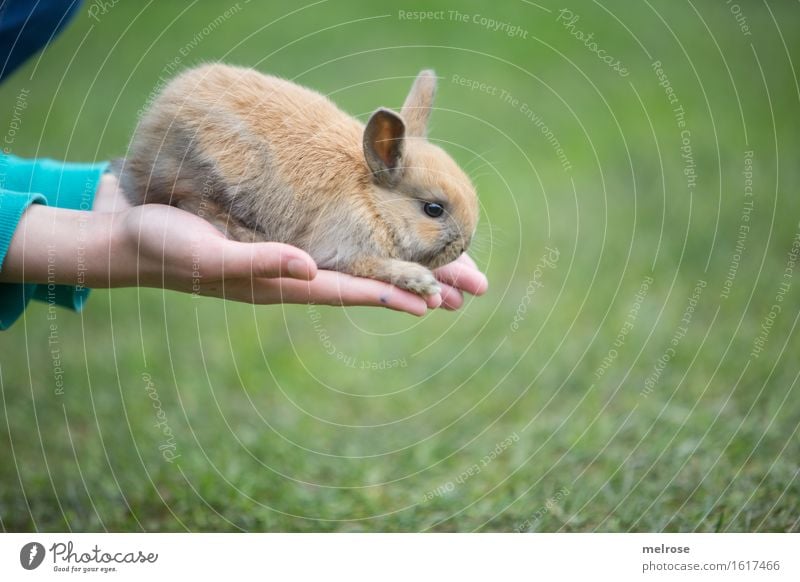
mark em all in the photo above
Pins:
pixel 262 158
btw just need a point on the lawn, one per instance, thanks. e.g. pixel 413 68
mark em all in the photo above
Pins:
pixel 630 368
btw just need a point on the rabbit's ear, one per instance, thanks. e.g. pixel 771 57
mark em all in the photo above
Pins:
pixel 383 146
pixel 417 107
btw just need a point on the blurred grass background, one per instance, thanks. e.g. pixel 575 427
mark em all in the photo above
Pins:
pixel 279 419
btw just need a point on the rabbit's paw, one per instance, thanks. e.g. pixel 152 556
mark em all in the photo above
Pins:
pixel 404 274
pixel 417 279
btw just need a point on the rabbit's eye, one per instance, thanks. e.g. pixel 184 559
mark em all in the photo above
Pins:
pixel 433 209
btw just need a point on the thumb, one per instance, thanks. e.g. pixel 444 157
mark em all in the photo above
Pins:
pixel 267 259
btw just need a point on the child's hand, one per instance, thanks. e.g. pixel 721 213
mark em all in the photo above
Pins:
pixel 167 247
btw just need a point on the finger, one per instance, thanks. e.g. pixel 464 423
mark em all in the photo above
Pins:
pixel 334 288
pixel 433 301
pixel 463 276
pixel 327 288
pixel 452 298
pixel 266 260
pixel 466 259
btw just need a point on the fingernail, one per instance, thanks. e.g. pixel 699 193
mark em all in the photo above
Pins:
pixel 298 269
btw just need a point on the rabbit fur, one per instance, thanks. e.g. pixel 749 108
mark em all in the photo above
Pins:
pixel 264 159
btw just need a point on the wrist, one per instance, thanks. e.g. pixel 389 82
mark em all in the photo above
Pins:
pixel 120 252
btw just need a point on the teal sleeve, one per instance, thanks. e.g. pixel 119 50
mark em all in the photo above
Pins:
pixel 22 183
pixel 14 297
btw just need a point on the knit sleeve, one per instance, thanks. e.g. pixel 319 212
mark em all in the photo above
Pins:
pixel 25 182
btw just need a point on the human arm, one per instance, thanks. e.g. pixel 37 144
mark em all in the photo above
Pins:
pixel 162 246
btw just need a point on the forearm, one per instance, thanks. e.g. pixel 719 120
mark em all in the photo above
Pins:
pixel 66 247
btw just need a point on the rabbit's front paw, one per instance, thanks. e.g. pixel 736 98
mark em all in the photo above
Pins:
pixel 417 279
pixel 404 274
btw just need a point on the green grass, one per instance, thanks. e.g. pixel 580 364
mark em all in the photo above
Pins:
pixel 274 433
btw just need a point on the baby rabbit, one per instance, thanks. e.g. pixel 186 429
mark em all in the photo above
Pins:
pixel 264 159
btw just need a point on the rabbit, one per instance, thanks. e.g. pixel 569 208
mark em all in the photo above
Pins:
pixel 264 159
